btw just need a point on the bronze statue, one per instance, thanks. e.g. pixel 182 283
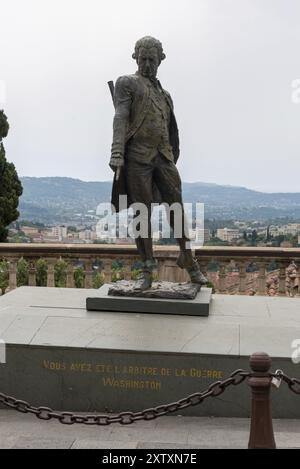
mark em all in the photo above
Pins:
pixel 145 150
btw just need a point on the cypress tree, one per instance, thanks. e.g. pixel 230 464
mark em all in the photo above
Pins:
pixel 10 185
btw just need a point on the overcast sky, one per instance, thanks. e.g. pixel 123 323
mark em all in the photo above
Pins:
pixel 229 68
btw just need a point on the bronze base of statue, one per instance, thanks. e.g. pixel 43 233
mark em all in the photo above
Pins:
pixel 167 290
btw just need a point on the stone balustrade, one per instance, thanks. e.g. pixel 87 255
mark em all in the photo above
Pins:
pixel 252 270
pixel 231 270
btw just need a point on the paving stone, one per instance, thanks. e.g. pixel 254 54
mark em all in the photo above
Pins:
pixel 25 431
pixel 42 443
pixel 102 444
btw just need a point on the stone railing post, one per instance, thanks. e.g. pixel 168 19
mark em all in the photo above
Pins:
pixel 222 277
pixel 51 272
pixel 169 271
pixel 12 272
pixel 88 270
pixel 32 273
pixel 70 275
pixel 262 279
pixel 127 269
pixel 203 266
pixel 166 270
pixel 282 279
pixel 242 277
pixel 297 281
pixel 107 271
pixel 261 431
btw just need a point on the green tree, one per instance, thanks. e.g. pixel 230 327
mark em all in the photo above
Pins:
pixel 41 273
pixel 216 242
pixel 3 277
pixel 98 280
pixel 277 240
pixel 10 185
pixel 60 273
pixel 79 277
pixel 254 237
pixel 22 273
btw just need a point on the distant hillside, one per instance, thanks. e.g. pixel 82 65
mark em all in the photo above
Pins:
pixel 67 200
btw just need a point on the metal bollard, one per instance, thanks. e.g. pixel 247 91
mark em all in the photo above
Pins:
pixel 261 432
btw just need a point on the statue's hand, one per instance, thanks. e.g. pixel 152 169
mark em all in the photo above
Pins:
pixel 116 161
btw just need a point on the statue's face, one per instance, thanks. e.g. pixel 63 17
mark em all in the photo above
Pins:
pixel 148 61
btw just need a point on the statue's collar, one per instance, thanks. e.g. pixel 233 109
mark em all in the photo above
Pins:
pixel 149 81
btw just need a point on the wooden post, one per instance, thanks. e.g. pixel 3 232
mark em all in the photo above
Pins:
pixel 261 432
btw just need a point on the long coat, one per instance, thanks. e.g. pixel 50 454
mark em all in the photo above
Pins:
pixel 132 100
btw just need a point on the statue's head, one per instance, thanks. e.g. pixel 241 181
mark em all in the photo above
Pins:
pixel 4 126
pixel 148 54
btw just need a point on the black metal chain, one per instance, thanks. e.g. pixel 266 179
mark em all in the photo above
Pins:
pixel 293 383
pixel 126 418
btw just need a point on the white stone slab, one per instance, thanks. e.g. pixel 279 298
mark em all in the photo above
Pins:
pixel 274 340
pixel 237 325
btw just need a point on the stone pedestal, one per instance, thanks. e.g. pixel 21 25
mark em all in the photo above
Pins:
pixel 62 356
pixel 162 298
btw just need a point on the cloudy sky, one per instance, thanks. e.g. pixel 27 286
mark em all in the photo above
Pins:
pixel 230 67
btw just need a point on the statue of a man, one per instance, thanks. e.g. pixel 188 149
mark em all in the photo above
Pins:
pixel 145 150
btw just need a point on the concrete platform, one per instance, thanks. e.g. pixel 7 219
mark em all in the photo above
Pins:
pixel 62 356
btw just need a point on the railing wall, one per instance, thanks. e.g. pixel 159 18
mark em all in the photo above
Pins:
pixel 231 270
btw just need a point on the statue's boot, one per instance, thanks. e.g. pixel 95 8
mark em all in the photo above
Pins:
pixel 144 281
pixel 196 275
pixel 186 261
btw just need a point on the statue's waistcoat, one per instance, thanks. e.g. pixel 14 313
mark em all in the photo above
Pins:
pixel 140 93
